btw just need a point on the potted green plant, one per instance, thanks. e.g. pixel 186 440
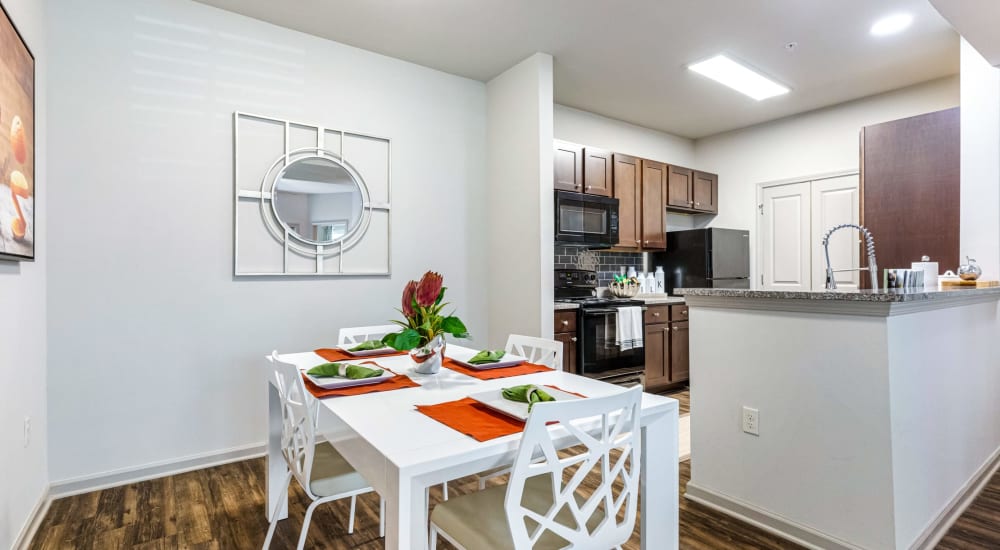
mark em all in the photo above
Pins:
pixel 424 326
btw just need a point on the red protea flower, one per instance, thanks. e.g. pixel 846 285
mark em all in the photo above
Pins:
pixel 408 292
pixel 429 289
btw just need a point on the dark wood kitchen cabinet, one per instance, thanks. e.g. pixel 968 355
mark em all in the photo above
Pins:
pixel 654 196
pixel 911 190
pixel 705 192
pixel 657 343
pixel 626 174
pixel 564 329
pixel 597 171
pixel 680 358
pixel 680 186
pixel 692 191
pixel 568 162
pixel 666 342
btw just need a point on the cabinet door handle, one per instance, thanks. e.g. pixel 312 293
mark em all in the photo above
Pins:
pixel 588 187
pixel 647 242
pixel 655 314
pixel 683 312
pixel 676 329
pixel 697 204
pixel 573 339
pixel 565 323
pixel 640 242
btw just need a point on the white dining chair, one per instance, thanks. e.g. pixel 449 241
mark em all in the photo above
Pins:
pixel 356 335
pixel 322 472
pixel 539 351
pixel 541 506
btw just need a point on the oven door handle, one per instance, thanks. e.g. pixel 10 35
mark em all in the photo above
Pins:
pixel 595 312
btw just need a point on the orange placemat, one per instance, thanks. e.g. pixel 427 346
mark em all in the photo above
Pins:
pixel 334 355
pixel 474 419
pixel 493 374
pixel 397 382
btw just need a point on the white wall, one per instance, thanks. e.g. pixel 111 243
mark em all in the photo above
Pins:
pixel 980 153
pixel 520 200
pixel 154 346
pixel 818 142
pixel 22 322
pixel 587 128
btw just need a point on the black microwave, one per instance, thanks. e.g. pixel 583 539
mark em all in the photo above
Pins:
pixel 584 220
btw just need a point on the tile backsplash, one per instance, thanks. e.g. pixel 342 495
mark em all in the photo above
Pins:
pixel 606 264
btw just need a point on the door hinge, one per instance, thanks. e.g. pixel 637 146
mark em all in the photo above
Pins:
pixel 761 208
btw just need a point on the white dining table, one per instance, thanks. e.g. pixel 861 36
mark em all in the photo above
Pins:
pixel 401 452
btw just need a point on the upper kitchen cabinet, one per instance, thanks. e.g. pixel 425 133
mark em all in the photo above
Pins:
pixel 626 173
pixel 692 191
pixel 654 197
pixel 680 188
pixel 910 189
pixel 706 192
pixel 568 162
pixel 597 171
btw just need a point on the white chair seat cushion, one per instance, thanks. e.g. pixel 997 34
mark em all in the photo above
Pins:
pixel 332 475
pixel 478 520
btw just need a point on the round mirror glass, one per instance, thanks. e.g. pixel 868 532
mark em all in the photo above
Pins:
pixel 318 200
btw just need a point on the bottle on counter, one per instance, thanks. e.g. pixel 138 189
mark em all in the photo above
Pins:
pixel 651 283
pixel 642 283
pixel 631 271
pixel 660 280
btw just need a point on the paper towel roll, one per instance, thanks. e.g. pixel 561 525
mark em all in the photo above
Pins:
pixel 930 270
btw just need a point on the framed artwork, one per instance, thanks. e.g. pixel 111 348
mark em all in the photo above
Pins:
pixel 17 144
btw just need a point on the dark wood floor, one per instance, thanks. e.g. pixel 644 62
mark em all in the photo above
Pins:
pixel 222 508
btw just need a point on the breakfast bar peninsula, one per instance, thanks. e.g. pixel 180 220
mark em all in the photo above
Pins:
pixel 877 413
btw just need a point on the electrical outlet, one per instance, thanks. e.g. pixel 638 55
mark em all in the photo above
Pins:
pixel 27 431
pixel 751 421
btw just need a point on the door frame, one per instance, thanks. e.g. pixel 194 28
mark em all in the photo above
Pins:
pixel 756 277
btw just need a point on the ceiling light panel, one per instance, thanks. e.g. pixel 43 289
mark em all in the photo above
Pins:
pixel 739 77
pixel 892 24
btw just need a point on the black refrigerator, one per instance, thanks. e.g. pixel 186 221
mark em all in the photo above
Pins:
pixel 705 258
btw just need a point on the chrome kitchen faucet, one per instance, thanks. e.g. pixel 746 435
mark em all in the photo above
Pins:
pixel 831 282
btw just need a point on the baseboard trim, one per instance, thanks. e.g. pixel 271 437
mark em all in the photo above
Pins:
pixel 939 526
pixel 114 478
pixel 30 527
pixel 763 519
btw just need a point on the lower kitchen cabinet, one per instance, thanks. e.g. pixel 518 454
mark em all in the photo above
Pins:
pixel 657 342
pixel 680 358
pixel 568 340
pixel 667 358
pixel 565 332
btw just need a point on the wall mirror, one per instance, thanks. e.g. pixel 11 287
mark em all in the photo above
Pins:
pixel 319 200
pixel 309 199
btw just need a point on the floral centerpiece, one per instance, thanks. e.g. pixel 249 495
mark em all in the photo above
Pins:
pixel 424 326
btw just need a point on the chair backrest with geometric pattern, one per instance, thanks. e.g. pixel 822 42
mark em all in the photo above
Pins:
pixel 356 335
pixel 538 350
pixel 606 451
pixel 298 421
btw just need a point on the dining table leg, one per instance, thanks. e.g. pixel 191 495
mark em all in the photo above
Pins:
pixel 277 469
pixel 406 513
pixel 659 479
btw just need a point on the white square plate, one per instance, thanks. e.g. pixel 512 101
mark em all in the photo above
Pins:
pixel 462 356
pixel 334 382
pixel 494 400
pixel 346 348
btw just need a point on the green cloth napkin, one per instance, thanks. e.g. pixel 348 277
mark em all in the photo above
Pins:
pixel 351 372
pixel 528 393
pixel 368 346
pixel 487 356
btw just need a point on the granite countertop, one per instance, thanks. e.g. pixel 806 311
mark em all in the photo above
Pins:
pixel 660 299
pixel 884 295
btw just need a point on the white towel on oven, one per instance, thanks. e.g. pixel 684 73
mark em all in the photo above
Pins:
pixel 629 323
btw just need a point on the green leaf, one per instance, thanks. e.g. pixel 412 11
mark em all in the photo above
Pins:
pixel 454 326
pixel 440 295
pixel 402 341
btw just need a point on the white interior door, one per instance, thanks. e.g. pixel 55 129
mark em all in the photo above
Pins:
pixel 785 260
pixel 835 201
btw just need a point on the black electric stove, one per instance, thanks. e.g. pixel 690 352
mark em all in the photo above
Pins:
pixel 597 354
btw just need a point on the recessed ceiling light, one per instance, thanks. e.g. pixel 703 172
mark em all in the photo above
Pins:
pixel 738 77
pixel 892 24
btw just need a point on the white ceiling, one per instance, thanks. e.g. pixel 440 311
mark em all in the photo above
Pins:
pixel 627 59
